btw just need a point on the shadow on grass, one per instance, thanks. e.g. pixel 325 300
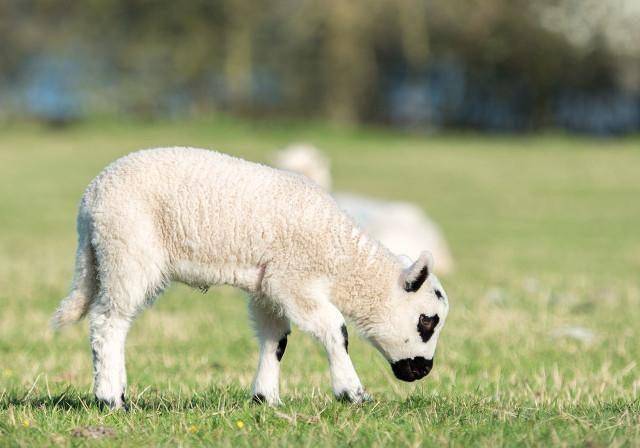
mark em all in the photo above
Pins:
pixel 223 397
pixel 60 402
pixel 214 399
pixel 71 399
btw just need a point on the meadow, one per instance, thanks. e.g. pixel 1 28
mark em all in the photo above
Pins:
pixel 540 348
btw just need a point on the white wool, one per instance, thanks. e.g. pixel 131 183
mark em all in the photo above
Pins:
pixel 205 218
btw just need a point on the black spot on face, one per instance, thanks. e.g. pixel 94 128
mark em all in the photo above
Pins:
pixel 282 346
pixel 415 284
pixel 427 325
pixel 345 336
pixel 439 294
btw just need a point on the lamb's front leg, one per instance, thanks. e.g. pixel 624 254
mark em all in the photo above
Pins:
pixel 272 331
pixel 332 332
pixel 323 320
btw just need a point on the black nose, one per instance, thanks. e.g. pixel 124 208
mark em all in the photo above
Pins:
pixel 411 369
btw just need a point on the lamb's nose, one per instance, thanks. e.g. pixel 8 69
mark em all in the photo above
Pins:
pixel 411 369
pixel 429 365
pixel 420 367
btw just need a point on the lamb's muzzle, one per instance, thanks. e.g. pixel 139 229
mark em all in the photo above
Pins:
pixel 411 369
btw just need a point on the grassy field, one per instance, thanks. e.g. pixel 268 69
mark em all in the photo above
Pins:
pixel 545 233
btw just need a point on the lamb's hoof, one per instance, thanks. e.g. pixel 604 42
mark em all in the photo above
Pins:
pixel 358 396
pixel 259 399
pixel 113 404
pixel 125 404
pixel 262 400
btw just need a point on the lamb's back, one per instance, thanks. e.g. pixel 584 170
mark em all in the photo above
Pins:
pixel 212 206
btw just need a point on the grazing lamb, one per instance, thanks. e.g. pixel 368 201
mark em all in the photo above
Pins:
pixel 401 226
pixel 205 218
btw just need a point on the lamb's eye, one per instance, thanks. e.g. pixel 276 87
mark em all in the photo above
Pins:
pixel 427 325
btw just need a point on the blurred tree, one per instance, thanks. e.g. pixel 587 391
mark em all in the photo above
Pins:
pixel 487 63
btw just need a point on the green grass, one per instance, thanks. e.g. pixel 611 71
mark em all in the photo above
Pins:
pixel 544 230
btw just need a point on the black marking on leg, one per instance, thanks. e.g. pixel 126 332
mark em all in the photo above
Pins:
pixel 282 346
pixel 259 399
pixel 345 336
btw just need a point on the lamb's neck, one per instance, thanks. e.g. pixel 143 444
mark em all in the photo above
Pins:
pixel 364 281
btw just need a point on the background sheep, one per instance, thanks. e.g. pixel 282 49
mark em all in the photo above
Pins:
pixel 401 226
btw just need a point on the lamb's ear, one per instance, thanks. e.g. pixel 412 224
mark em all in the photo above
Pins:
pixel 414 276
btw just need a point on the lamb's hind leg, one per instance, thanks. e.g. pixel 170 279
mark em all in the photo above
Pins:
pixel 123 293
pixel 272 330
pixel 108 330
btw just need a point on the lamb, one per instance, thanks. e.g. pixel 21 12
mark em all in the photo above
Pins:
pixel 204 218
pixel 401 226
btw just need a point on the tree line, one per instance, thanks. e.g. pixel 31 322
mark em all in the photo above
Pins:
pixel 503 64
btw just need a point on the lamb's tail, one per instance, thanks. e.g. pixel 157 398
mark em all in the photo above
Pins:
pixel 75 306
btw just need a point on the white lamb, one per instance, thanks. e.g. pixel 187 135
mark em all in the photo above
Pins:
pixel 401 226
pixel 204 218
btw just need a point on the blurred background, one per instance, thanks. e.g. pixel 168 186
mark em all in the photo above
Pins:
pixel 497 65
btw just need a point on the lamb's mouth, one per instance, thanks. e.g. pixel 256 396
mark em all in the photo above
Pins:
pixel 411 369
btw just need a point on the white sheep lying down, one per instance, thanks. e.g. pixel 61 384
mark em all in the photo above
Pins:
pixel 402 227
pixel 204 218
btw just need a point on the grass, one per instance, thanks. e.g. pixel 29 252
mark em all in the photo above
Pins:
pixel 544 230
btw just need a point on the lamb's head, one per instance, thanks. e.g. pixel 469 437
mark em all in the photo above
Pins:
pixel 415 314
